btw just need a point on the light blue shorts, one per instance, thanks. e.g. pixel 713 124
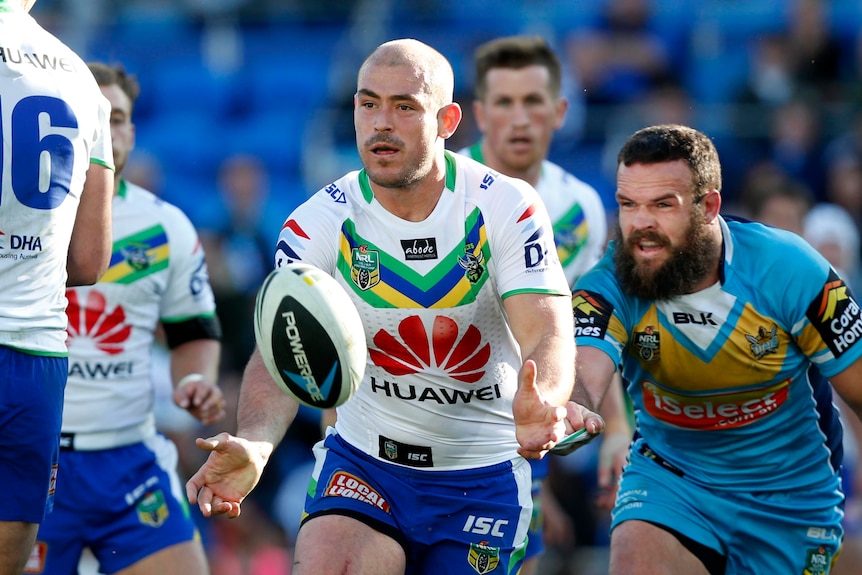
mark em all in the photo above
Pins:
pixel 31 407
pixel 448 522
pixel 124 504
pixel 765 532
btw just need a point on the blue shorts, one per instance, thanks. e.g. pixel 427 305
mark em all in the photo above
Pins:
pixel 540 469
pixel 761 532
pixel 31 409
pixel 448 522
pixel 124 504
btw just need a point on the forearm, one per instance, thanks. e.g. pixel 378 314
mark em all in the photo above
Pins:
pixel 555 357
pixel 265 411
pixel 595 373
pixel 196 356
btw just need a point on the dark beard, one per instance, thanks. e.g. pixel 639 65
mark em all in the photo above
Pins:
pixel 679 275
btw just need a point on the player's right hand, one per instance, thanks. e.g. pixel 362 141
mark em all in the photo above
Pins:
pixel 231 471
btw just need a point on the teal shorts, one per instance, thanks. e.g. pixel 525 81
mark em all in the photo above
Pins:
pixel 763 532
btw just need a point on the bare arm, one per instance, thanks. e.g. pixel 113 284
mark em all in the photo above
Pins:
pixel 195 365
pixel 542 324
pixel 90 247
pixel 848 384
pixel 236 463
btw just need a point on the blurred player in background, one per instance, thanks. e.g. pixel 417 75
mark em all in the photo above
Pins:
pixel 119 493
pixel 518 106
pixel 57 176
pixel 716 322
pixel 485 272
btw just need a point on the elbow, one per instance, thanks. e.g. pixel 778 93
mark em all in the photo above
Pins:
pixel 87 270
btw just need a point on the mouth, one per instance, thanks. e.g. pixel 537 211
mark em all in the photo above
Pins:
pixel 385 150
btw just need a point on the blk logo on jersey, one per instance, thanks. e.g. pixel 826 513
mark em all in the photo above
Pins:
pixel 592 314
pixel 420 249
pixel 710 412
pixel 836 315
pixel 107 329
pixel 461 356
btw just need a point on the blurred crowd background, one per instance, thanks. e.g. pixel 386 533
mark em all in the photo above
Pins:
pixel 246 109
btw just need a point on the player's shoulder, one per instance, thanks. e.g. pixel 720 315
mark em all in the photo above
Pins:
pixel 759 248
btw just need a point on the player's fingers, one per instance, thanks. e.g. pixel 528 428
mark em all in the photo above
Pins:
pixel 528 376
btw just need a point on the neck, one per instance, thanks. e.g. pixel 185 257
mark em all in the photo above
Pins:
pixel 531 174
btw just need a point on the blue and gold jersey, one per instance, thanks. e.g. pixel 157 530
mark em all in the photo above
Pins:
pixel 726 382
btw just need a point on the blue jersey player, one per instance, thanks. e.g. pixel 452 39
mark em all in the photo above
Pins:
pixel 726 332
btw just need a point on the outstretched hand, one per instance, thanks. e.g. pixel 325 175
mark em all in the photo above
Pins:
pixel 231 471
pixel 538 424
pixel 202 399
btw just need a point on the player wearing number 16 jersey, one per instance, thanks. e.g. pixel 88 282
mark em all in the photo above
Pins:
pixel 56 173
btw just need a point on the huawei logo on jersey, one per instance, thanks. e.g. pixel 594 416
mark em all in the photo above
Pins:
pixel 460 356
pixel 108 330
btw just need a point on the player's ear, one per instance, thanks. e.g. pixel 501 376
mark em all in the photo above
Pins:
pixel 448 118
pixel 711 201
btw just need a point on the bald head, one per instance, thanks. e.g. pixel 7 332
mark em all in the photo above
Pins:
pixel 424 62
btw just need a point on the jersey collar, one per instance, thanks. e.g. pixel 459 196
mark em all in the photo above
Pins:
pixel 368 193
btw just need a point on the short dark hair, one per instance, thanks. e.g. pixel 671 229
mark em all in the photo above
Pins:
pixel 516 52
pixel 670 142
pixel 107 75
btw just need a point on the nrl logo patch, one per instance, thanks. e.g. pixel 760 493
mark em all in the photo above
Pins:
pixel 391 449
pixel 152 509
pixel 817 561
pixel 483 558
pixel 364 267
pixel 647 343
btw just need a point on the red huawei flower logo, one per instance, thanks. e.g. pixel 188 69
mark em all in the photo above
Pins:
pixel 462 359
pixel 107 330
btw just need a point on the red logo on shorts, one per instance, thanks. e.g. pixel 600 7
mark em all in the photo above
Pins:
pixel 462 358
pixel 344 484
pixel 107 330
pixel 36 561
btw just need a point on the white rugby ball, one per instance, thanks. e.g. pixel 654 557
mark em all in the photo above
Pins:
pixel 310 335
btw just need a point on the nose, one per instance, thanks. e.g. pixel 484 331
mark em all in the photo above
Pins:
pixel 520 117
pixel 383 120
pixel 642 218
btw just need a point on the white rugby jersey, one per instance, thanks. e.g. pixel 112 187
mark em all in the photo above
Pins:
pixel 157 273
pixel 54 122
pixel 442 363
pixel 577 214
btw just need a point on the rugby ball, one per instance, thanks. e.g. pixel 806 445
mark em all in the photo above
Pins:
pixel 310 335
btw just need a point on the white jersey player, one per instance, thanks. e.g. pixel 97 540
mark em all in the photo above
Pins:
pixel 116 465
pixel 470 341
pixel 56 177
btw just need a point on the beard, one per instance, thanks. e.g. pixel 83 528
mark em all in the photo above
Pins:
pixel 679 275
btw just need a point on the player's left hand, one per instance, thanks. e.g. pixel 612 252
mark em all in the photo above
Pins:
pixel 538 424
pixel 202 399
